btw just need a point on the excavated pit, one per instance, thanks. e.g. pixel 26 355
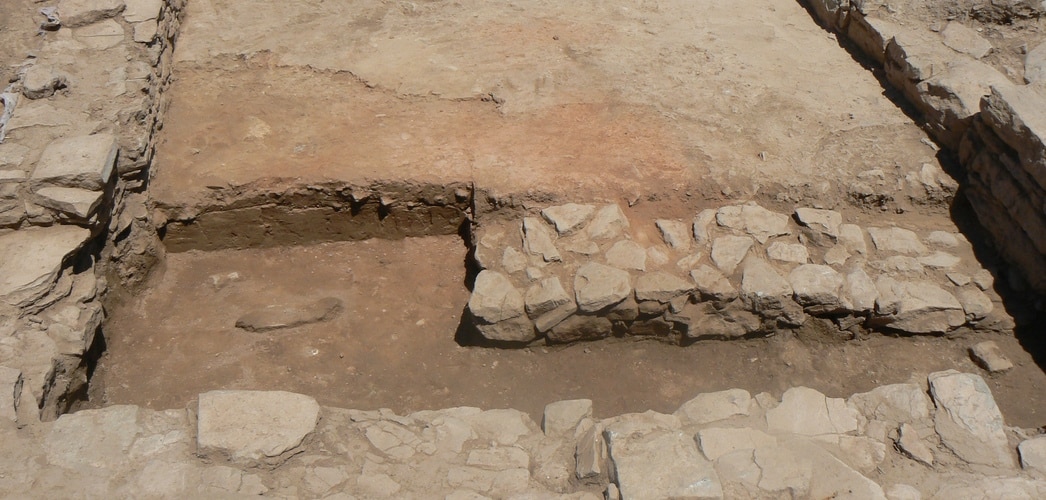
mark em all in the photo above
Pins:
pixel 575 213
pixel 374 189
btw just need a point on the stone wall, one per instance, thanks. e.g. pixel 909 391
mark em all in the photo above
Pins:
pixel 583 272
pixel 76 147
pixel 939 437
pixel 989 122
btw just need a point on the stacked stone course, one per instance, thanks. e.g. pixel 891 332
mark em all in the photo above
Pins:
pixel 994 126
pixel 77 137
pixel 584 272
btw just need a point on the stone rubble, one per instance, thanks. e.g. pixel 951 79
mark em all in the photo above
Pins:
pixel 72 166
pixel 994 126
pixel 743 270
pixel 719 445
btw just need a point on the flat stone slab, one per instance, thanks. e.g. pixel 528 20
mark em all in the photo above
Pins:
pixel 84 162
pixel 661 464
pixel 968 420
pixel 254 427
pixel 277 317
pixel 30 259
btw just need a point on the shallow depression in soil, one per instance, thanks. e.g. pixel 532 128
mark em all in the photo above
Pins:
pixel 393 344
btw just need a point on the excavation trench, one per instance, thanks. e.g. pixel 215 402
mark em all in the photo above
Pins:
pixel 401 336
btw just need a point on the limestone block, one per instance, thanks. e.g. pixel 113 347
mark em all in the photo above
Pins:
pixel 545 296
pixel 580 327
pixel 562 417
pixel 825 222
pixel 568 218
pixel 958 279
pixel 42 81
pixel 661 287
pixel 597 286
pixel 254 427
pixel 895 403
pixel 917 306
pixel 513 261
pixel 760 223
pixel 832 13
pixel 547 321
pixel 537 240
pixel 897 240
pixel 142 10
pixel 712 284
pixel 788 252
pixel 145 31
pixel 760 282
pixel 949 100
pixel 704 321
pixel 74 203
pixel 940 260
pixel 609 222
pixel 676 234
pixel 808 412
pixel 817 287
pixel 851 237
pixel 872 34
pixel 968 420
pixel 76 13
pixel 910 443
pixel 663 464
pixel 988 356
pixel 504 427
pixel 942 239
pixel 713 406
pixel 1033 454
pixel 729 251
pixel 494 298
pixel 590 454
pixel 84 162
pixel 31 259
pixel 99 439
pixel 965 40
pixel 701 224
pixel 975 302
pixel 1035 64
pixel 627 254
pixel 102 35
pixel 717 441
pixel 859 292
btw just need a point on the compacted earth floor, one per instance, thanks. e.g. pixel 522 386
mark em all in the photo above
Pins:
pixel 394 345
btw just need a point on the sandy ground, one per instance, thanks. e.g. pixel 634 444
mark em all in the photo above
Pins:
pixel 393 345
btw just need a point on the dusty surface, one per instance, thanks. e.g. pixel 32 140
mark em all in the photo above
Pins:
pixel 394 347
pixel 612 100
